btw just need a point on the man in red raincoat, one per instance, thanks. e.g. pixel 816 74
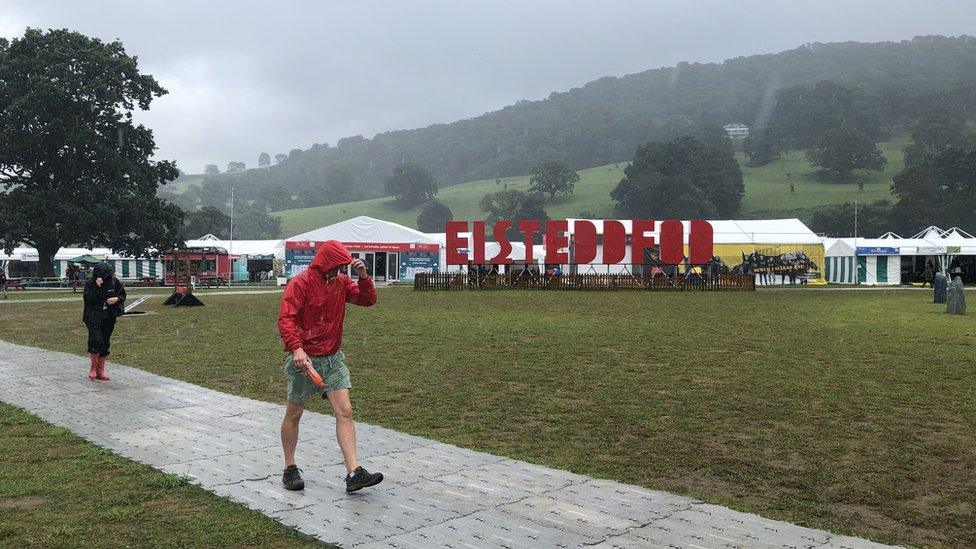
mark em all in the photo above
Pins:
pixel 310 323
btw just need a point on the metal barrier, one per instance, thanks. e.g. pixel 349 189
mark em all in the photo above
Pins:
pixel 527 280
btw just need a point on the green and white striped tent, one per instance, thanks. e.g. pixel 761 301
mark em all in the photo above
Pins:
pixel 872 262
pixel 126 268
pixel 879 270
pixel 840 261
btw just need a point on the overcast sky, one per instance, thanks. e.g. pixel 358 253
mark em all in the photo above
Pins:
pixel 247 77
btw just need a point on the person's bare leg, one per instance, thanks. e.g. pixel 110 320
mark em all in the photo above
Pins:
pixel 289 431
pixel 345 426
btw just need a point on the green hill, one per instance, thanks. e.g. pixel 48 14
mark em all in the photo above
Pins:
pixel 605 120
pixel 767 194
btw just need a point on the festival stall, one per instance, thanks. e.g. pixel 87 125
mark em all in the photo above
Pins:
pixel 390 251
pixel 840 261
pixel 22 263
pixel 869 261
pixel 236 260
pixel 960 254
pixel 892 259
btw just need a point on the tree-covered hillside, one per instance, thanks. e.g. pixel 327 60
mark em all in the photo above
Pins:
pixel 605 120
pixel 786 187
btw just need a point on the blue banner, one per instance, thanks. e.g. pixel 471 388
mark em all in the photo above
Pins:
pixel 877 250
pixel 297 260
pixel 412 263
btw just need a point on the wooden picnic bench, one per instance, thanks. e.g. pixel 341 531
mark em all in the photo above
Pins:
pixel 211 281
pixel 15 284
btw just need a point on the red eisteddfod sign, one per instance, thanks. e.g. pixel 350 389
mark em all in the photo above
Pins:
pixel 670 240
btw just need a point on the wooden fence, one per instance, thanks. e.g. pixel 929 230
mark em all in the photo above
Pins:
pixel 526 280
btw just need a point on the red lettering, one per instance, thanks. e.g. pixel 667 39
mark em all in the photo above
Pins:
pixel 640 241
pixel 454 241
pixel 701 240
pixel 672 242
pixel 505 247
pixel 556 240
pixel 479 242
pixel 614 242
pixel 529 227
pixel 584 242
pixel 670 239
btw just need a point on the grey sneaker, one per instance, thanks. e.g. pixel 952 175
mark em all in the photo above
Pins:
pixel 361 478
pixel 292 479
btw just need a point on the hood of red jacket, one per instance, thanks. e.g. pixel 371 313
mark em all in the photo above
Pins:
pixel 331 254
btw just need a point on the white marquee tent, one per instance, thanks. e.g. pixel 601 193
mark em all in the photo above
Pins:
pixel 364 229
pixel 391 251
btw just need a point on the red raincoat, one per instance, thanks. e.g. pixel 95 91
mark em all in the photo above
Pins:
pixel 313 308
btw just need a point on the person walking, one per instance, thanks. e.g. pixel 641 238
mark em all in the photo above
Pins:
pixel 104 302
pixel 3 282
pixel 928 275
pixel 310 324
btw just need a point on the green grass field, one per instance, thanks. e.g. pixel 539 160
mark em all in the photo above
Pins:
pixel 767 194
pixel 851 411
pixel 768 187
pixel 57 490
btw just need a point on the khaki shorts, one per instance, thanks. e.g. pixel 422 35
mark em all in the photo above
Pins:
pixel 332 368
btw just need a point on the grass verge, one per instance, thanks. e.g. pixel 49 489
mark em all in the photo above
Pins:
pixel 57 490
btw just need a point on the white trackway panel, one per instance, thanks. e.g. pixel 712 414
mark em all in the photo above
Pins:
pixel 435 495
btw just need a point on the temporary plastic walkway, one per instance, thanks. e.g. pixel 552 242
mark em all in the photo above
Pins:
pixel 434 495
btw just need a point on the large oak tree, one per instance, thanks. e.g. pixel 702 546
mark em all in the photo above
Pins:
pixel 841 150
pixel 410 185
pixel 552 177
pixel 514 206
pixel 74 167
pixel 434 216
pixel 682 178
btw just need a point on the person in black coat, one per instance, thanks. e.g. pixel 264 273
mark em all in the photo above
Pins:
pixel 104 302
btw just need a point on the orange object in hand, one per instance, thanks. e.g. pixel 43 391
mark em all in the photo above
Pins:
pixel 316 378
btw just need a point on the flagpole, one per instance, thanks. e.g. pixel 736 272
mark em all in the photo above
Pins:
pixel 857 275
pixel 230 252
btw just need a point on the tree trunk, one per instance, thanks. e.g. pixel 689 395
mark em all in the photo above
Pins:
pixel 45 253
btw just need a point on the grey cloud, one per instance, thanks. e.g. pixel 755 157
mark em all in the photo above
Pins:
pixel 246 77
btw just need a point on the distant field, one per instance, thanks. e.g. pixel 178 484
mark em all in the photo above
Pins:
pixel 767 194
pixel 768 187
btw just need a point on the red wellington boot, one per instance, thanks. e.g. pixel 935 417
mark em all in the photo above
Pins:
pixel 93 370
pixel 100 372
